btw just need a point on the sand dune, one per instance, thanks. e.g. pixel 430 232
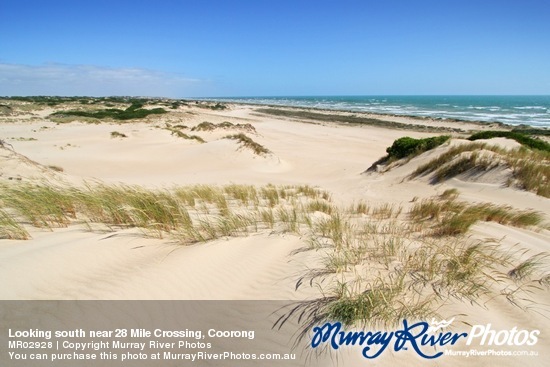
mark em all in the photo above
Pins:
pixel 75 264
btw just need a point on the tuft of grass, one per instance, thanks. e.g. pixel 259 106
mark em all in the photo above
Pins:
pixel 449 194
pixel 386 211
pixel 271 194
pixel 320 206
pixel 43 206
pixel 529 267
pixel 204 126
pixel 56 168
pixel 268 217
pixel 453 218
pixel 247 142
pixel 182 135
pixel 472 162
pixel 359 208
pixel 209 126
pixel 337 229
pixel 288 217
pixel 531 172
pixel 310 192
pixel 245 193
pixel 10 229
pixel 379 303
pixel 445 158
pixel 116 134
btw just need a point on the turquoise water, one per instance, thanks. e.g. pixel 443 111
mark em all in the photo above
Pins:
pixel 513 110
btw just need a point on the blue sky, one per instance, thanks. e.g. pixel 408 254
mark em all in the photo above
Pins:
pixel 269 48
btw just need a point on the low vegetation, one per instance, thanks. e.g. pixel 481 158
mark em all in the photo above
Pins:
pixel 521 138
pixel 384 265
pixel 183 135
pixel 116 134
pixel 190 214
pixel 56 168
pixel 226 125
pixel 449 217
pixel 530 169
pixel 135 111
pixel 211 106
pixel 408 148
pixel 248 143
pixel 11 229
pixel 387 270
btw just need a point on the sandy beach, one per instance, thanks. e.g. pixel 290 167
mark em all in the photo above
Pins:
pixel 88 260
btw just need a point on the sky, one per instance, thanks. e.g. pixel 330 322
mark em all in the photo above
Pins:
pixel 194 48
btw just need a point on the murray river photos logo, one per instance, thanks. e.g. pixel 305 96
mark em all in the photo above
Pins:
pixel 421 337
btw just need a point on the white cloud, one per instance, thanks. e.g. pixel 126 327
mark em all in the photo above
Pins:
pixel 90 80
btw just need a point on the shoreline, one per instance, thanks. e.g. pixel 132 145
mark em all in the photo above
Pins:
pixel 402 121
pixel 542 129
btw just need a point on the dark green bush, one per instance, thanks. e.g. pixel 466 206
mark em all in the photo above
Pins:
pixel 407 146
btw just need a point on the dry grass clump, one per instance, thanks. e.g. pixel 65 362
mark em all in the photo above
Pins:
pixel 42 206
pixel 247 142
pixel 116 134
pixel 183 135
pixel 226 125
pixel 10 229
pixel 452 218
pixel 204 126
pixel 531 171
pixel 189 214
pixel 530 168
pixel 56 168
pixel 386 211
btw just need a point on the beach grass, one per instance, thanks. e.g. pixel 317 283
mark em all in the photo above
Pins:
pixel 451 217
pixel 382 265
pixel 247 142
pixel 11 229
pixel 530 169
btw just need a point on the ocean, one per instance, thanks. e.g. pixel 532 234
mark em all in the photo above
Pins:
pixel 512 110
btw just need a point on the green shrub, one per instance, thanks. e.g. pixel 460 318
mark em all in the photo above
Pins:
pixel 407 146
